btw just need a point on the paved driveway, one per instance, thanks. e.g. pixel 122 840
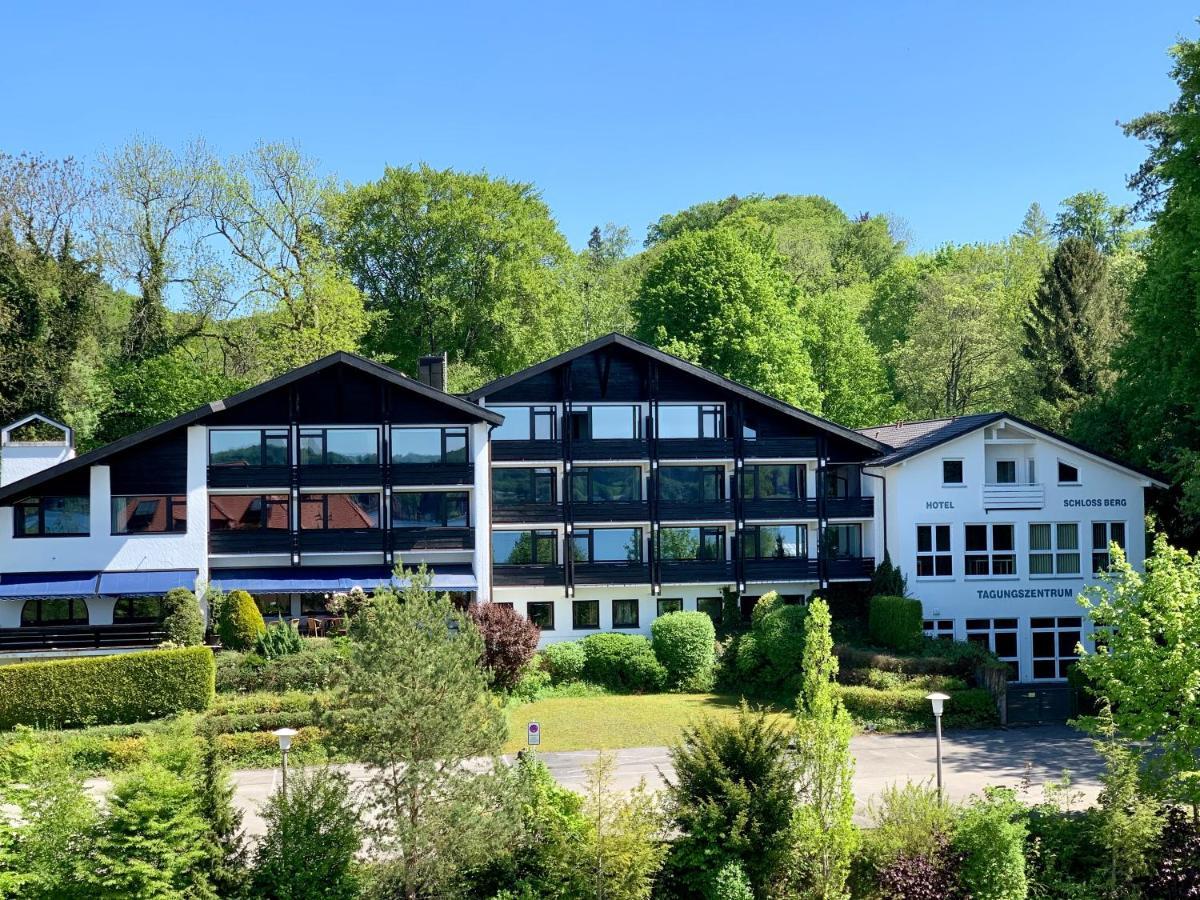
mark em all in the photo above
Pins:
pixel 971 760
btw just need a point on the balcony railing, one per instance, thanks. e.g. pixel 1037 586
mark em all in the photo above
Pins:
pixel 341 475
pixel 695 571
pixel 1014 496
pixel 611 573
pixel 249 476
pixel 341 540
pixel 432 473
pixel 694 510
pixel 527 512
pixel 850 568
pixel 527 450
pixel 695 448
pixel 609 448
pixel 405 539
pixel 536 575
pixel 81 637
pixel 611 511
pixel 780 509
pixel 250 540
pixel 849 507
pixel 785 569
pixel 780 448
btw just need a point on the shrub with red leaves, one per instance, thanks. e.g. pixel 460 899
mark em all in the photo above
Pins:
pixel 509 641
pixel 921 878
pixel 1178 874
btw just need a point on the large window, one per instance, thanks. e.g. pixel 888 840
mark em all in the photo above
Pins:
pixel 843 541
pixel 625 614
pixel 417 446
pixel 52 517
pixel 775 542
pixel 1054 548
pixel 56 611
pixel 511 486
pixel 339 447
pixel 514 548
pixel 138 611
pixel 585 614
pixel 691 484
pixel 598 423
pixel 933 551
pixel 431 509
pixel 700 543
pixel 147 515
pixel 989 550
pixel 703 420
pixel 999 636
pixel 1054 641
pixel 607 545
pixel 1103 534
pixel 245 512
pixel 604 484
pixel 321 512
pixel 248 447
pixel 786 482
pixel 843 481
pixel 526 423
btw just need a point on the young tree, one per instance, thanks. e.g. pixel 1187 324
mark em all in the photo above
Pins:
pixel 826 837
pixel 225 863
pixel 1147 658
pixel 414 706
pixel 623 849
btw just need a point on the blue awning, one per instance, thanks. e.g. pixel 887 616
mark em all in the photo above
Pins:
pixel 326 579
pixel 20 585
pixel 146 582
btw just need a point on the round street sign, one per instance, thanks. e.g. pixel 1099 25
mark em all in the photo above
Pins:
pixel 533 733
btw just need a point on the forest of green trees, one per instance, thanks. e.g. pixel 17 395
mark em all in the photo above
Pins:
pixel 142 283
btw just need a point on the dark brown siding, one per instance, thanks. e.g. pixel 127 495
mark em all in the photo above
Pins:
pixel 155 467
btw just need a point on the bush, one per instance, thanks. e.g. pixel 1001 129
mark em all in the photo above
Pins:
pixel 311 841
pixel 315 667
pixel 896 622
pixel 106 690
pixel 564 661
pixel 780 638
pixel 957 658
pixel 183 622
pixel 888 580
pixel 622 662
pixel 683 643
pixel 906 709
pixel 239 622
pixel 908 822
pixel 731 883
pixel 533 681
pixel 278 640
pixel 767 602
pixel 509 641
pixel 990 837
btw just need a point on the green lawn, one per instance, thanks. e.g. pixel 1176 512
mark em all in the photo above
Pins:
pixel 612 721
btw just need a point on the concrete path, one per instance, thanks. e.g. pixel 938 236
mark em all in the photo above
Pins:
pixel 971 761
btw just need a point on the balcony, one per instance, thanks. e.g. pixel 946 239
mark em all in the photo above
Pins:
pixel 780 509
pixel 528 512
pixel 406 539
pixel 249 476
pixel 696 571
pixel 850 568
pixel 612 573
pixel 780 448
pixel 432 473
pixel 342 540
pixel 609 448
pixel 80 637
pixel 1014 496
pixel 695 448
pixel 533 575
pixel 785 569
pixel 341 476
pixel 695 510
pixel 611 511
pixel 849 507
pixel 534 451
pixel 250 540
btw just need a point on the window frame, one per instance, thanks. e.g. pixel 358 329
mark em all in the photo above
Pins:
pixel 934 630
pixel 264 434
pixel 1109 539
pixel 576 606
pixel 120 619
pixel 658 606
pixel 586 473
pixel 590 559
pixel 637 613
pixel 585 409
pixel 710 476
pixel 1012 661
pixel 1055 552
pixel 962 475
pixel 704 412
pixel 306 498
pixel 444 431
pixel 537 537
pixel 705 531
pixel 443 504
pixel 836 526
pixel 172 501
pixel 1058 471
pixel 305 431
pixel 1058 627
pixel 799 472
pixel 1010 461
pixel 548 474
pixel 935 555
pixel 534 412
pixel 829 474
pixel 541 604
pixel 28 502
pixel 285 502
pixel 756 528
pixel 990 553
pixel 71 621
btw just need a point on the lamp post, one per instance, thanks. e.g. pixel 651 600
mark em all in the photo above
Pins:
pixel 938 701
pixel 284 735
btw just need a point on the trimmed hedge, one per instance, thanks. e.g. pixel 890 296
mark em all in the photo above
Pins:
pixel 895 622
pixel 315 667
pixel 683 642
pixel 564 661
pixel 240 623
pixel 183 622
pixel 907 709
pixel 622 662
pixel 106 690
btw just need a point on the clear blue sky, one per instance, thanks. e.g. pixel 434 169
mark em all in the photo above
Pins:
pixel 951 115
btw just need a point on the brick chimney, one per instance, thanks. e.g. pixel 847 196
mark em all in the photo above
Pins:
pixel 431 370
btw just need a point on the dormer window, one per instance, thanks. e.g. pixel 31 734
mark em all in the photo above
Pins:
pixel 1067 474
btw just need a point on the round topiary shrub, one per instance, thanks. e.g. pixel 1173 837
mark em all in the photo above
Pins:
pixel 683 643
pixel 622 662
pixel 564 661
pixel 240 622
pixel 509 641
pixel 767 602
pixel 182 621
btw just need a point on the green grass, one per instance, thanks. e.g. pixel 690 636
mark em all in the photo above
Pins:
pixel 613 721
